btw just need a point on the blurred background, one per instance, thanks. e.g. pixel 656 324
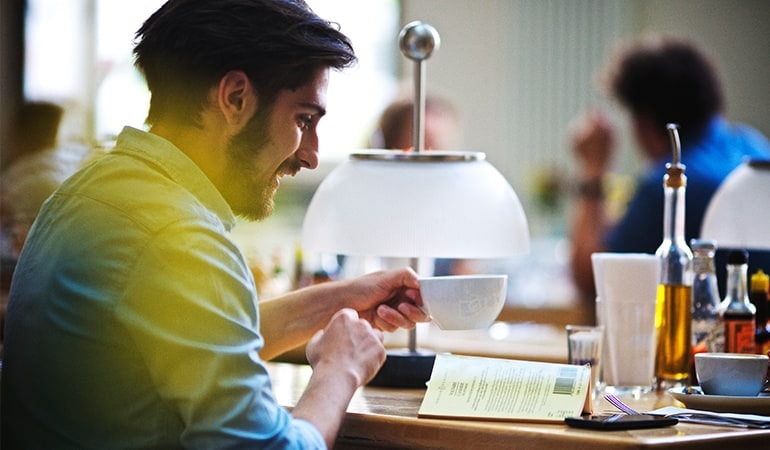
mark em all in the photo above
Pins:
pixel 517 71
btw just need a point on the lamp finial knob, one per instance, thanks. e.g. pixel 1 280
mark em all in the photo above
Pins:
pixel 418 40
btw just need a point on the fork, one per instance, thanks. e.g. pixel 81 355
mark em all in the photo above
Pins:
pixel 691 416
pixel 618 403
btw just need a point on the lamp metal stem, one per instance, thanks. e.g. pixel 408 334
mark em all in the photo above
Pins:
pixel 414 264
pixel 418 124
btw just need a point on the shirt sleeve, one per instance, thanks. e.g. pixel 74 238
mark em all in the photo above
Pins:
pixel 191 309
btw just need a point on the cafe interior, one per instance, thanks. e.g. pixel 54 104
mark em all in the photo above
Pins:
pixel 517 73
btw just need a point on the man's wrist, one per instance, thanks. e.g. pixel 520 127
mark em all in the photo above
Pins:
pixel 591 189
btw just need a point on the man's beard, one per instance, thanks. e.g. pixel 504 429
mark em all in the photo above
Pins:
pixel 250 197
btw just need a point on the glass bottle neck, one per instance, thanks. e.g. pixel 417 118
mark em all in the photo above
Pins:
pixel 673 214
pixel 737 295
pixel 676 257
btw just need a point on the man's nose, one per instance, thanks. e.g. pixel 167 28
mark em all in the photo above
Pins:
pixel 308 151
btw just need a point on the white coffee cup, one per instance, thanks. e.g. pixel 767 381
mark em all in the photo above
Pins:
pixel 460 302
pixel 732 374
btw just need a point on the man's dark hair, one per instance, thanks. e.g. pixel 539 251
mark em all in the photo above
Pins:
pixel 669 81
pixel 186 46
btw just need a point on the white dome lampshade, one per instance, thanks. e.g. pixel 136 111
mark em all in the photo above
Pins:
pixel 406 204
pixel 738 215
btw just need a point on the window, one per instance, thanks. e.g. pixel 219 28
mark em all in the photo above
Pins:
pixel 78 52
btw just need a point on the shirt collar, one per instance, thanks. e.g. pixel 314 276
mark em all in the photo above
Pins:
pixel 716 126
pixel 179 168
pixel 713 128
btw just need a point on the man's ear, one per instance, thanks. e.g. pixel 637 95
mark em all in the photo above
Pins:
pixel 236 98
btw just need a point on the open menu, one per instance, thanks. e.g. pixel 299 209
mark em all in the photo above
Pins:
pixel 469 387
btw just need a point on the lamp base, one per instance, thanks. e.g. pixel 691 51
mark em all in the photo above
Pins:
pixel 405 369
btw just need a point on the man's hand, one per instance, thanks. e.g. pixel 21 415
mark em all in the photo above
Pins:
pixel 388 300
pixel 593 141
pixel 348 346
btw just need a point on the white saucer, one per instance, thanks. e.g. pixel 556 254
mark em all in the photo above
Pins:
pixel 723 403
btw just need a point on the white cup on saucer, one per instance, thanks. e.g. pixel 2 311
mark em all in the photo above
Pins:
pixel 731 374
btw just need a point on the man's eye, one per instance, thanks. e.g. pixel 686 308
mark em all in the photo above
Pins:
pixel 305 122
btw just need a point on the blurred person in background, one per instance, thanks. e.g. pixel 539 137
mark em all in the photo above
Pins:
pixel 442 125
pixel 658 80
pixel 39 163
pixel 133 319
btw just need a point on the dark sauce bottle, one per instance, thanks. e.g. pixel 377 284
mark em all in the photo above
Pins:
pixel 736 309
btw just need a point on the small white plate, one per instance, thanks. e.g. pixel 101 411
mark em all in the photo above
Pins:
pixel 723 403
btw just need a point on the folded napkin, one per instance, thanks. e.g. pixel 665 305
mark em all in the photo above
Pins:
pixel 714 418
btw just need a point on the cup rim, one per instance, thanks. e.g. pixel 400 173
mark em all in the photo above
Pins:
pixel 624 255
pixel 463 277
pixel 578 327
pixel 734 356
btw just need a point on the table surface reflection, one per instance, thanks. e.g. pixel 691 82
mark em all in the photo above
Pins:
pixel 387 418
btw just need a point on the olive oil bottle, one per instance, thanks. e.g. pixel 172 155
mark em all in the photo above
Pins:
pixel 673 313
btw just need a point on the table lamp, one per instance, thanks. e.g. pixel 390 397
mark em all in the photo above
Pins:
pixel 738 215
pixel 415 204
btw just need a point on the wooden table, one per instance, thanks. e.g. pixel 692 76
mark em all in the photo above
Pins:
pixel 387 418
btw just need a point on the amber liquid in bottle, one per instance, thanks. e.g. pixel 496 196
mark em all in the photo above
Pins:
pixel 672 319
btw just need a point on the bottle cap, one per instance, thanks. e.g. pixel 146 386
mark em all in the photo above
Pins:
pixel 760 281
pixel 737 257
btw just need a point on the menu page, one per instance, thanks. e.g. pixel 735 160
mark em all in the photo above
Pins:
pixel 471 387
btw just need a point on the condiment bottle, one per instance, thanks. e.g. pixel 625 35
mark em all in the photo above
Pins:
pixel 673 314
pixel 708 331
pixel 760 283
pixel 736 310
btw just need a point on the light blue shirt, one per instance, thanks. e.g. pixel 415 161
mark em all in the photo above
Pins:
pixel 133 318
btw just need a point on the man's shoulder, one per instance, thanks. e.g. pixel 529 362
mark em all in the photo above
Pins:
pixel 741 138
pixel 124 188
